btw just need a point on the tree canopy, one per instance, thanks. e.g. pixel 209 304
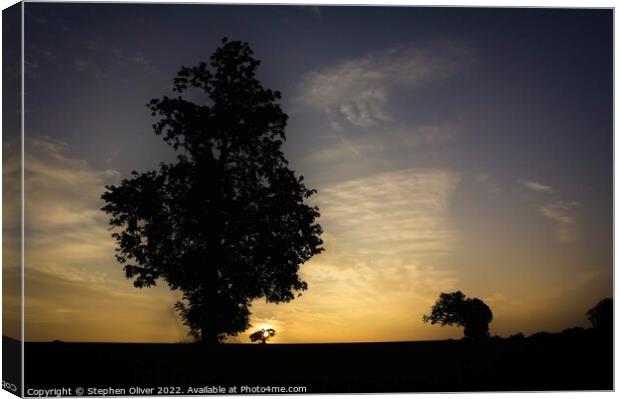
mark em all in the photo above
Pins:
pixel 263 335
pixel 456 309
pixel 228 222
pixel 602 315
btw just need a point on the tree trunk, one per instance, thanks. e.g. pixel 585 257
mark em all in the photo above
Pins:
pixel 208 336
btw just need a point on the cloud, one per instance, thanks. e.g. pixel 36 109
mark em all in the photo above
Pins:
pixel 537 187
pixel 90 67
pixel 484 180
pixel 37 58
pixel 344 156
pixel 11 238
pixel 386 235
pixel 76 289
pixel 562 214
pixel 386 238
pixel 358 91
pixel 392 211
pixel 62 191
pixel 82 64
pixel 66 232
pixel 105 62
pixel 49 54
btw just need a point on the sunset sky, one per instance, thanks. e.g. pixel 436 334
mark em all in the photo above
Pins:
pixel 452 149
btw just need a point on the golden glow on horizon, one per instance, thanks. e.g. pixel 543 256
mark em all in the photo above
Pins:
pixel 264 326
pixel 394 241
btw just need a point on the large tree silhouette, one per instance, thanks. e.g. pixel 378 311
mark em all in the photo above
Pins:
pixel 456 309
pixel 227 222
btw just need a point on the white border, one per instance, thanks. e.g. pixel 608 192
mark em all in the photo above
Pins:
pixel 479 3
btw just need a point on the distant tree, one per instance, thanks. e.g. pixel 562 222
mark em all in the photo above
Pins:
pixel 574 332
pixel 263 335
pixel 517 337
pixel 227 222
pixel 602 315
pixel 541 336
pixel 456 309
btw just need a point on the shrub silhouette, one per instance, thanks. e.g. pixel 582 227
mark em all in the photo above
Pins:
pixel 456 309
pixel 602 315
pixel 226 223
pixel 263 335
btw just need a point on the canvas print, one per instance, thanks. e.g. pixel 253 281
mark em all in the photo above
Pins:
pixel 293 199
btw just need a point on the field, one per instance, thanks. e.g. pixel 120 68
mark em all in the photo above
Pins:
pixel 573 360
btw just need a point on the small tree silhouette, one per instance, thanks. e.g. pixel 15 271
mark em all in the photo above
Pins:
pixel 456 309
pixel 263 335
pixel 602 315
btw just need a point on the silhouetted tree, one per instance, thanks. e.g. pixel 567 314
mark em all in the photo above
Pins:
pixel 263 335
pixel 456 309
pixel 602 315
pixel 517 337
pixel 227 222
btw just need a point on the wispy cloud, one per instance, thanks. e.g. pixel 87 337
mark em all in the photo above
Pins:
pixel 82 64
pixel 72 274
pixel 562 214
pixel 358 91
pixel 386 236
pixel 402 208
pixel 341 148
pixel 67 233
pixel 536 186
pixel 104 61
pixel 49 54
pixel 88 66
pixel 11 238
pixel 487 184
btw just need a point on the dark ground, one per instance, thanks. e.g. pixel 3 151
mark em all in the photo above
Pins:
pixel 573 360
